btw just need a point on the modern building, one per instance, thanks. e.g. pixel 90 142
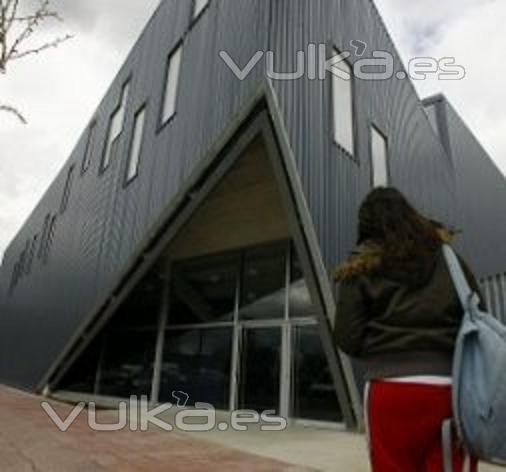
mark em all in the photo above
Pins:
pixel 187 243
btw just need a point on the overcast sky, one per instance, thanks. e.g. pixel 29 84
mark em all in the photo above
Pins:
pixel 59 90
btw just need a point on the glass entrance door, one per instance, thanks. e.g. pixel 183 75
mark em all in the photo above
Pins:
pixel 260 369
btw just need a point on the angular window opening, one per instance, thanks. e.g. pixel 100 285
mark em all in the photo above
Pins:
pixel 50 239
pixel 43 238
pixel 379 158
pixel 225 316
pixel 31 254
pixel 115 128
pixel 342 103
pixel 171 85
pixel 90 144
pixel 67 190
pixel 136 144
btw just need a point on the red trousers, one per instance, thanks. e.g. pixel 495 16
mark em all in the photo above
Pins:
pixel 404 427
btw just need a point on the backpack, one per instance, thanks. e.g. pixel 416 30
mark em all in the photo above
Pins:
pixel 479 378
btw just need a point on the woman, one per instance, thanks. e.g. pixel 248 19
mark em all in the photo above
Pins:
pixel 398 311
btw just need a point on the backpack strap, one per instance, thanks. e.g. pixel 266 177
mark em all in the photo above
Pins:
pixel 457 274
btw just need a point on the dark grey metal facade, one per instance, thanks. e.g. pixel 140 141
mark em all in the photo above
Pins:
pixel 481 191
pixel 106 223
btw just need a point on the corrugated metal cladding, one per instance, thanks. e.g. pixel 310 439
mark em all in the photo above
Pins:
pixel 105 221
pixel 481 191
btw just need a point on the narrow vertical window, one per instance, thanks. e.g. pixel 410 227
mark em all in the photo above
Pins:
pixel 171 84
pixel 31 254
pixel 199 6
pixel 115 128
pixel 90 143
pixel 50 238
pixel 379 158
pixel 14 277
pixel 342 102
pixel 66 190
pixel 136 144
pixel 43 237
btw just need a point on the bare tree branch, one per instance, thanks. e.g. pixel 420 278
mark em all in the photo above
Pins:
pixel 16 29
pixel 53 44
pixel 12 42
pixel 14 111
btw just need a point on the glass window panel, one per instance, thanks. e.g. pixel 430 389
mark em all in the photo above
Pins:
pixel 141 309
pixel 115 127
pixel 204 290
pixel 31 254
pixel 314 395
pixel 301 304
pixel 81 376
pixel 89 147
pixel 198 363
pixel 260 369
pixel 127 364
pixel 379 149
pixel 263 283
pixel 342 91
pixel 171 84
pixel 66 190
pixel 135 151
pixel 198 6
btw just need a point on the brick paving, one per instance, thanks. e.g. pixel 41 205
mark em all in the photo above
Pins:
pixel 29 441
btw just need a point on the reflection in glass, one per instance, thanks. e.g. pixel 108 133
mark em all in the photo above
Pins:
pixel 260 369
pixel 82 375
pixel 197 362
pixel 263 283
pixel 300 298
pixel 314 395
pixel 204 290
pixel 141 309
pixel 127 364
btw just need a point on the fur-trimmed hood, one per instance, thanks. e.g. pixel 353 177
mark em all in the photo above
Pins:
pixel 368 257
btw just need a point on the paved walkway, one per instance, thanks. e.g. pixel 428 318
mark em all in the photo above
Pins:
pixel 29 441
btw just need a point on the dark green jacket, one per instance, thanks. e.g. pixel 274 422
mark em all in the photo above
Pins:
pixel 399 331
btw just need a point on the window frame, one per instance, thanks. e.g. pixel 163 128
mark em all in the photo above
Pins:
pixel 67 190
pixel 126 85
pixel 31 254
pixel 127 178
pixel 45 228
pixel 50 238
pixel 194 15
pixel 164 121
pixel 374 127
pixel 90 144
pixel 353 107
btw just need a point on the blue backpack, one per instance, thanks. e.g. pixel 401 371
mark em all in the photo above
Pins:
pixel 479 378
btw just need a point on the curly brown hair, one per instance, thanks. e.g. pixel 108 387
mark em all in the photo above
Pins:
pixel 395 239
